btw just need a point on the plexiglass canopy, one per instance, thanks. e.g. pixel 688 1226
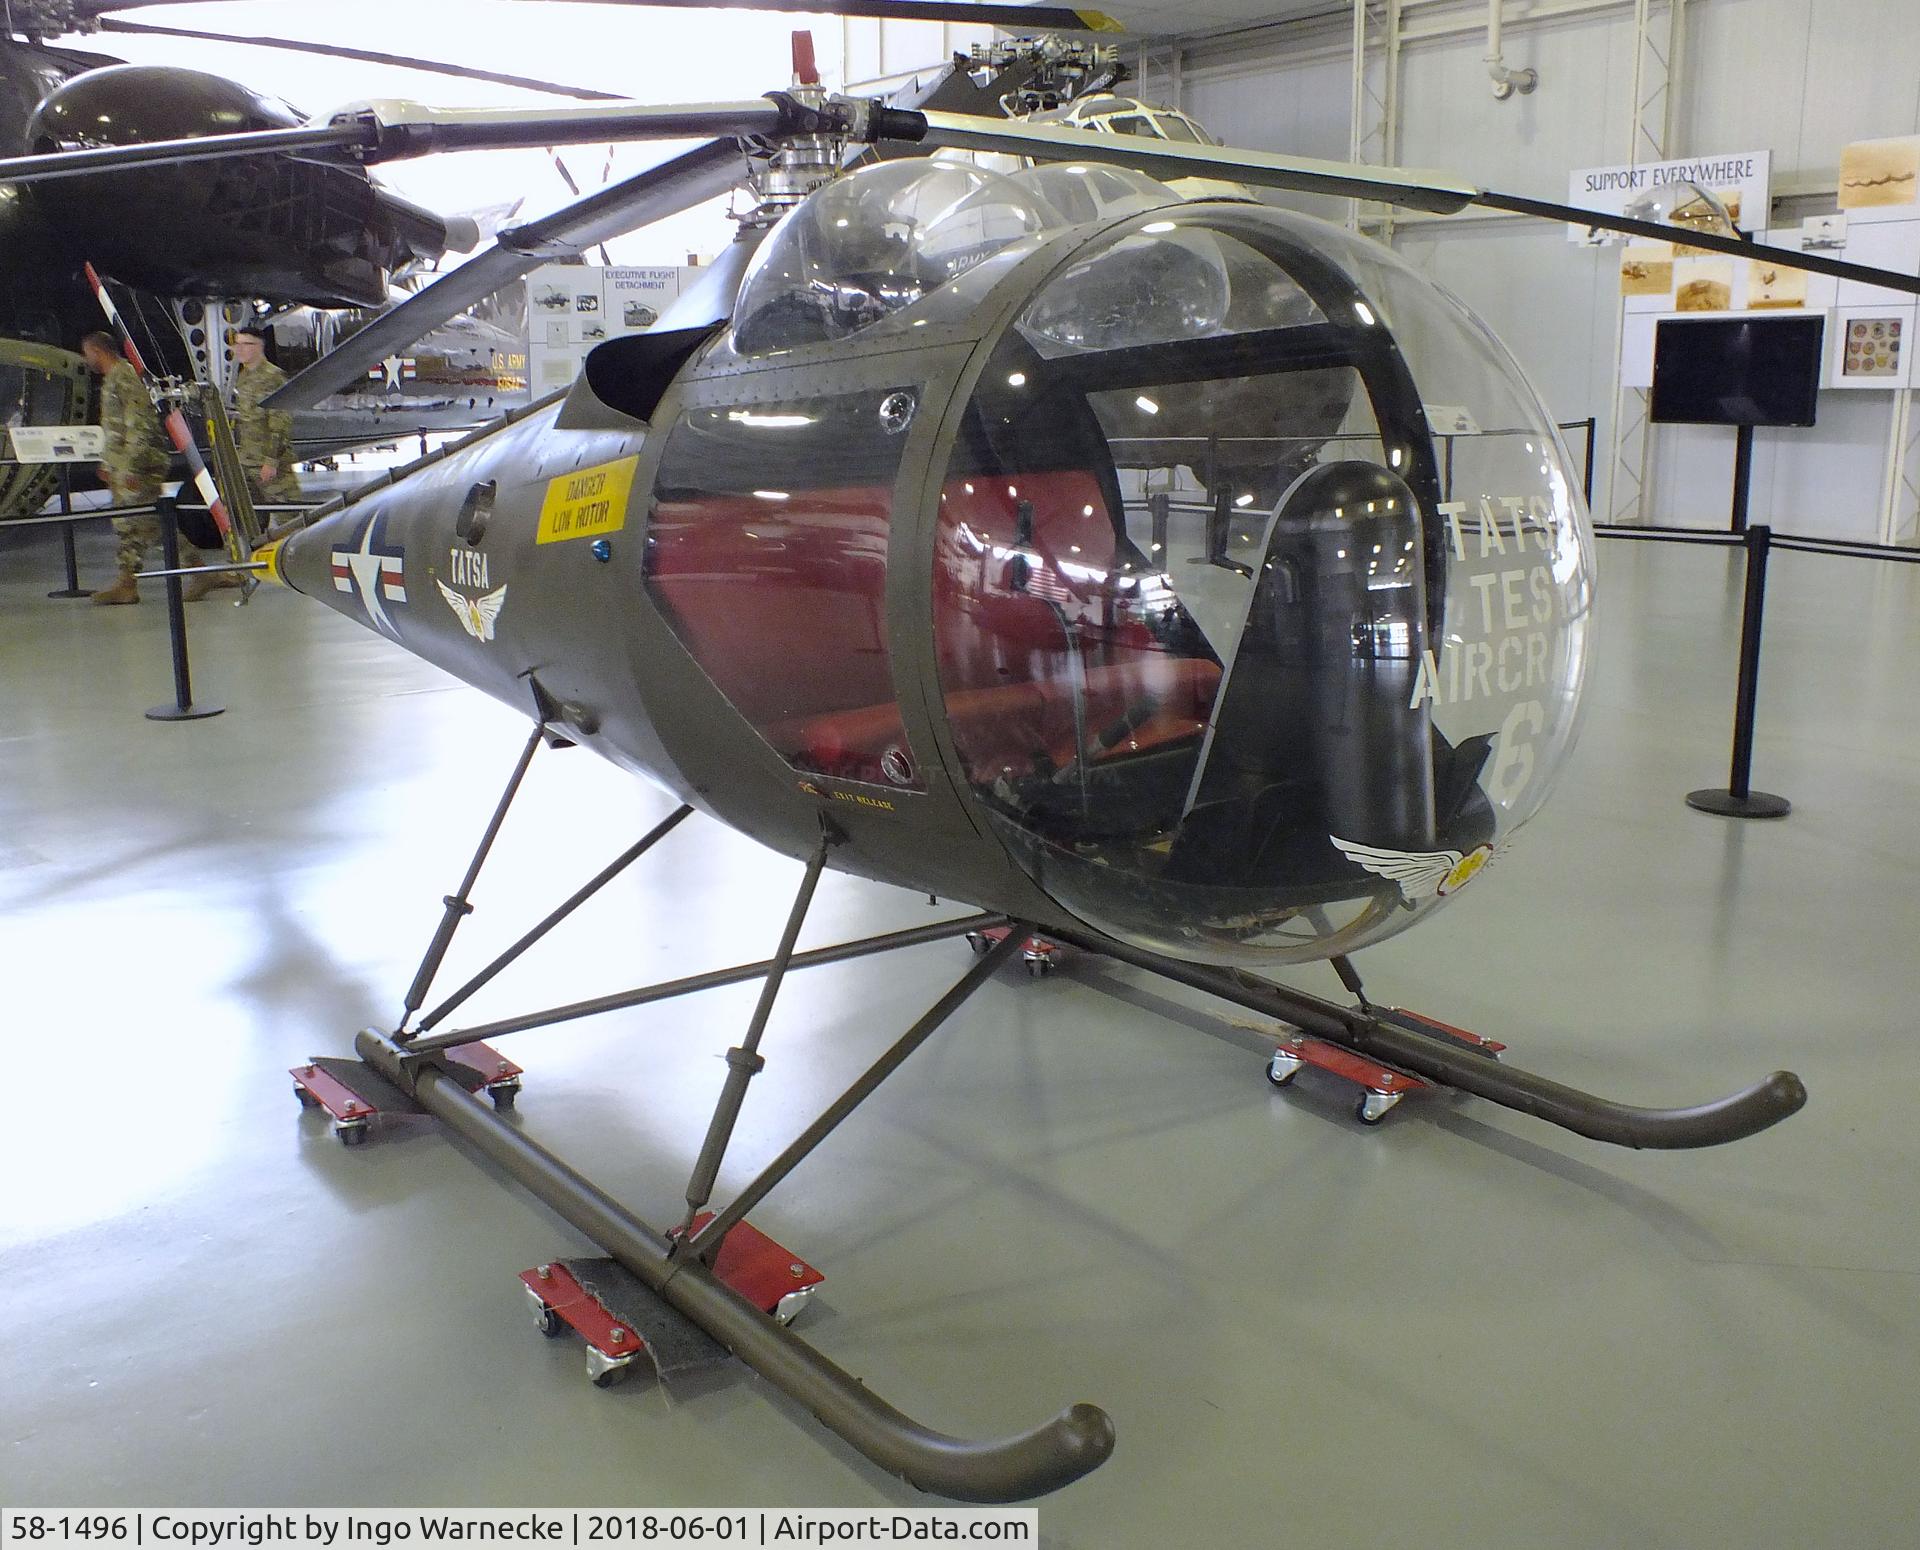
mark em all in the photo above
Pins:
pixel 1262 590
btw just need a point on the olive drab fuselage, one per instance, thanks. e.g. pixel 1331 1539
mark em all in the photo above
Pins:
pixel 1117 579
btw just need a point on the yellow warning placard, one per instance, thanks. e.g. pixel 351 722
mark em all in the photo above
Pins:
pixel 587 502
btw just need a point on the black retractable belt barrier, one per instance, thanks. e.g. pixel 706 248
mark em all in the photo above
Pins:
pixel 73 587
pixel 182 708
pixel 1738 799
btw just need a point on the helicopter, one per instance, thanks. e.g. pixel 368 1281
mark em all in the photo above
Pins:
pixel 1043 540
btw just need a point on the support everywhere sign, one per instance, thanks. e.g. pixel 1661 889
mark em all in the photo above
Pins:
pixel 1741 181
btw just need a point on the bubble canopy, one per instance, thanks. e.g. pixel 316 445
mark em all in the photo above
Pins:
pixel 1261 590
pixel 875 242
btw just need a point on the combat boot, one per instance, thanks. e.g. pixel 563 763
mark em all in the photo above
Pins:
pixel 193 588
pixel 125 590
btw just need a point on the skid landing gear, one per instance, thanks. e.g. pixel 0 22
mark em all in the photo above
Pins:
pixel 620 1319
pixel 1037 953
pixel 355 1096
pixel 1382 1086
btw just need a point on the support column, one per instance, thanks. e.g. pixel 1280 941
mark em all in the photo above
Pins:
pixel 1374 125
pixel 1659 37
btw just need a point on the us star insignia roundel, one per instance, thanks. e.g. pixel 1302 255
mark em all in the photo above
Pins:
pixel 1421 874
pixel 376 572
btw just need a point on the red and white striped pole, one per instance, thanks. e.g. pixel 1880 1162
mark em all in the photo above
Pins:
pixel 176 422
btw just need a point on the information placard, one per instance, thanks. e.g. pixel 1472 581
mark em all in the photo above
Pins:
pixel 58 443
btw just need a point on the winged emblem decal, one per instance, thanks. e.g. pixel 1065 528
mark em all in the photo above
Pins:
pixel 1421 874
pixel 476 614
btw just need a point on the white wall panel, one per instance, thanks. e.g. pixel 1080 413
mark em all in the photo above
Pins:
pixel 1823 481
pixel 1798 77
pixel 1578 117
pixel 1301 109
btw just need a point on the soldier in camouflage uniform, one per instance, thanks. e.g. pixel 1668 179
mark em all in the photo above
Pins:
pixel 134 464
pixel 264 436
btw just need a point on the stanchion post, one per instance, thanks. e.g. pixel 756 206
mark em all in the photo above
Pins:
pixel 182 708
pixel 73 587
pixel 1742 480
pixel 1586 478
pixel 1739 800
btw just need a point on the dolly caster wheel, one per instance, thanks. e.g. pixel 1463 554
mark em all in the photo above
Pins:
pixel 605 1371
pixel 352 1132
pixel 307 1099
pixel 504 1093
pixel 1374 1107
pixel 1283 1068
pixel 549 1323
pixel 977 940
pixel 1039 968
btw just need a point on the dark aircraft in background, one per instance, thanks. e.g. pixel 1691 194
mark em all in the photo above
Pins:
pixel 262 234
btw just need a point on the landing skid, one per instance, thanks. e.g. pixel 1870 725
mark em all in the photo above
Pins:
pixel 686 1269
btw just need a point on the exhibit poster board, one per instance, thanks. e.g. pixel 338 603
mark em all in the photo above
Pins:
pixel 573 307
pixel 1872 347
pixel 58 443
pixel 1881 175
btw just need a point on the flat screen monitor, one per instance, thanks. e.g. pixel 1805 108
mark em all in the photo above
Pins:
pixel 1736 371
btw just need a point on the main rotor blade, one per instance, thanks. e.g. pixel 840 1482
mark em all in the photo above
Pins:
pixel 252 142
pixel 1024 19
pixel 1165 159
pixel 1740 247
pixel 687 180
pixel 414 129
pixel 1420 190
pixel 369 56
pixel 393 130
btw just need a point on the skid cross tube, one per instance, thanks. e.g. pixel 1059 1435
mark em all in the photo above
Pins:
pixel 706 1243
pixel 457 907
pixel 745 1062
pixel 606 875
pixel 713 979
pixel 1742 1114
pixel 1052 1455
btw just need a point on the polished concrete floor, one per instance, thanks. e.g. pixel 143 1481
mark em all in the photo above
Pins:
pixel 1461 1328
